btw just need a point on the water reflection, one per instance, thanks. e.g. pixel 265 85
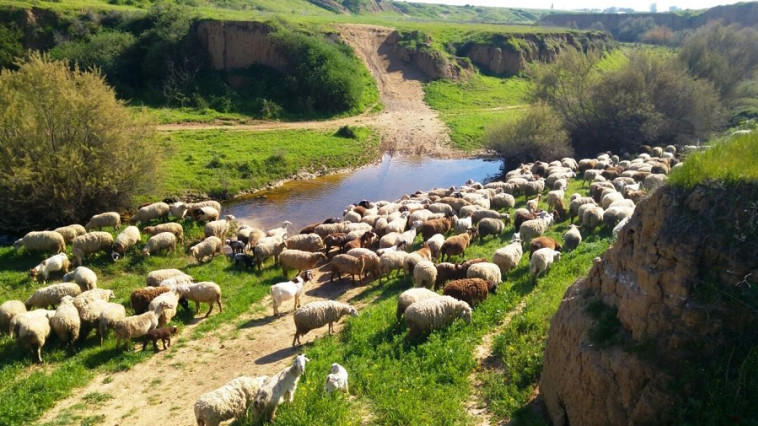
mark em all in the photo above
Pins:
pixel 307 201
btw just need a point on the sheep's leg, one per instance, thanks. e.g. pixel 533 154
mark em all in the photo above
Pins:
pixel 218 301
pixel 330 328
pixel 209 310
pixel 297 301
pixel 296 340
pixel 276 308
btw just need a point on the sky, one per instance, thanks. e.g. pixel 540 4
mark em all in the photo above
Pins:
pixel 638 5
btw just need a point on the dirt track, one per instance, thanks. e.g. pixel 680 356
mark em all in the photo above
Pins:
pixel 407 125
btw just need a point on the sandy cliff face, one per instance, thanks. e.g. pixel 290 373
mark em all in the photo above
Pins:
pixel 237 45
pixel 679 247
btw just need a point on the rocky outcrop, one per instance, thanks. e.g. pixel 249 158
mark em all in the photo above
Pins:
pixel 237 45
pixel 679 247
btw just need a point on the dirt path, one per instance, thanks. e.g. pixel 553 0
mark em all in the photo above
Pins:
pixel 167 385
pixel 407 125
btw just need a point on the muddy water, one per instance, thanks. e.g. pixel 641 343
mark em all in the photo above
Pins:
pixel 308 201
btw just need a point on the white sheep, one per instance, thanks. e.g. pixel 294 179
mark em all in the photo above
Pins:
pixel 83 276
pixel 134 326
pixel 104 220
pixel 279 389
pixel 154 278
pixel 503 201
pixel 70 232
pixel 149 212
pixel 410 296
pixel 66 322
pixel 336 379
pixel 206 248
pixel 164 305
pixel 281 231
pixel 318 314
pixel 536 227
pixel 8 310
pixel 111 313
pixel 435 313
pixel 391 261
pixel 371 260
pixel 424 274
pixel 435 244
pixel 218 228
pixel 490 226
pixel 460 225
pixel 541 261
pixel 289 290
pixel 610 198
pixel 56 263
pixel 299 260
pixel 92 242
pixel 156 243
pixel 486 271
pixel 591 215
pixel 89 313
pixel 172 227
pixel 33 332
pixel 572 238
pixel 205 292
pixel 230 401
pixel 305 242
pixel 127 239
pixel 616 214
pixel 46 241
pixel 620 226
pixel 51 295
pixel 205 214
pixel 507 258
pixel 268 247
pixel 90 296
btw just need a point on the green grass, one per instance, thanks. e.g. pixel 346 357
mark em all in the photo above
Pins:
pixel 468 107
pixel 222 163
pixel 166 115
pixel 730 160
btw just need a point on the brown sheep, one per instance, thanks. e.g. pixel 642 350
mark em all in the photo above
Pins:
pixel 142 297
pixel 435 226
pixel 542 242
pixel 470 290
pixel 337 239
pixel 163 334
pixel 457 244
pixel 346 264
pixel 451 271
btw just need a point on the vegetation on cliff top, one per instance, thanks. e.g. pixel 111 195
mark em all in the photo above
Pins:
pixel 732 160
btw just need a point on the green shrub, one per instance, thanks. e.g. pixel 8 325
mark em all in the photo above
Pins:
pixel 537 135
pixel 70 149
pixel 730 161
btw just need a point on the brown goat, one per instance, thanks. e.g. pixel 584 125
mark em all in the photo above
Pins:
pixel 163 334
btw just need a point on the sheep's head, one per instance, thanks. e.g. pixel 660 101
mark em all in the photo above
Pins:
pixel 115 255
pixel 466 313
pixel 33 273
pixel 352 311
pixel 146 252
pixel 298 364
pixel 557 256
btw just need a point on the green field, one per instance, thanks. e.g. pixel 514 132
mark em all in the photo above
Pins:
pixel 223 163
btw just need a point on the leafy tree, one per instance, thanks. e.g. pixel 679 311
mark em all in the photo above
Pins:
pixel 107 50
pixel 68 148
pixel 10 45
pixel 538 135
pixel 632 29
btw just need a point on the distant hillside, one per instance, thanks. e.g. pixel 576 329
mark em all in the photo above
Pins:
pixel 743 13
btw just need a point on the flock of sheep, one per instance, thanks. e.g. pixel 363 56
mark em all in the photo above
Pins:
pixel 371 238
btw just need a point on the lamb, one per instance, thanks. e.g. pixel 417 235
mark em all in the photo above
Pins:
pixel 218 228
pixel 172 227
pixel 134 326
pixel 152 211
pixel 486 271
pixel 336 380
pixel 8 310
pixel 156 243
pixel 542 242
pixel 205 292
pixel 391 261
pixel 408 297
pixel 435 313
pixel 268 247
pixel 127 239
pixel 237 246
pixel 70 232
pixel 45 241
pixel 460 225
pixel 32 332
pixel 535 227
pixel 435 244
pixel 436 226
pixel 164 305
pixel 83 276
pixel 541 261
pixel 154 278
pixel 470 290
pixel 318 314
pixel 457 244
pixel 111 313
pixel 245 260
pixel 230 401
pixel 66 322
pixel 503 201
pixel 87 244
pixel 345 264
pixel 305 242
pixel 56 263
pixel 373 262
pixel 104 220
pixel 424 274
pixel 299 260
pixel 489 226
pixel 279 389
pixel 51 295
pixel 572 238
pixel 206 248
pixel 163 334
pixel 289 290
pixel 507 258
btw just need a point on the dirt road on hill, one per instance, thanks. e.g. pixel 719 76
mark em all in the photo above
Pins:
pixel 406 126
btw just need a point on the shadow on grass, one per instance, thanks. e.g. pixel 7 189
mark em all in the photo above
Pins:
pixel 389 289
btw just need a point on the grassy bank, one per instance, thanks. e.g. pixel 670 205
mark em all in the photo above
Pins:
pixel 468 107
pixel 222 163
